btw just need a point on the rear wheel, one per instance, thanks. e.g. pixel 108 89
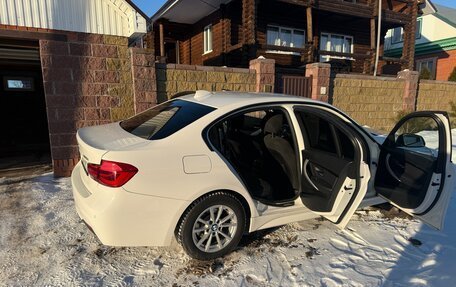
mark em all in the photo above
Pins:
pixel 212 226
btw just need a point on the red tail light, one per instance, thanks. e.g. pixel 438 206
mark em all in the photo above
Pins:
pixel 110 173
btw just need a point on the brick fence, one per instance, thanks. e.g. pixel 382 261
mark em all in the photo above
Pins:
pixel 435 95
pixel 376 101
pixel 175 78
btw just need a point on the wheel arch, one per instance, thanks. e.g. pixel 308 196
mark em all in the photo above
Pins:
pixel 237 195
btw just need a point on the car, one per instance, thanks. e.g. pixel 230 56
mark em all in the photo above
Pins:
pixel 208 167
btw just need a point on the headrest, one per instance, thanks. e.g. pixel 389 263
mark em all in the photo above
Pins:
pixel 274 124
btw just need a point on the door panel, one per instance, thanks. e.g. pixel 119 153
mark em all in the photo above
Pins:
pixel 415 172
pixel 323 173
pixel 334 176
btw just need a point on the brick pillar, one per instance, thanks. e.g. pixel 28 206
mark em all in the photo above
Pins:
pixel 144 79
pixel 265 74
pixel 410 89
pixel 320 73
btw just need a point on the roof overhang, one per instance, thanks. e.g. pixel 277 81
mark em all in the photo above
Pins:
pixel 187 11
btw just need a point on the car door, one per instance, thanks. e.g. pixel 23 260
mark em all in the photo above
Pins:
pixel 415 172
pixel 334 173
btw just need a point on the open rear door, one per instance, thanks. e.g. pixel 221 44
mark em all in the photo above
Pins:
pixel 334 172
pixel 415 172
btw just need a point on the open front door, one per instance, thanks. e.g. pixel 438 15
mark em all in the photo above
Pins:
pixel 334 173
pixel 415 172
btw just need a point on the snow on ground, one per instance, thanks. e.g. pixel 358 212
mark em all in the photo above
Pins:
pixel 42 242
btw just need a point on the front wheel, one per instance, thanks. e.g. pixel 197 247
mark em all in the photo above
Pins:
pixel 212 226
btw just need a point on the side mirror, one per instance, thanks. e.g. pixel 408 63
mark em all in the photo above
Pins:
pixel 410 140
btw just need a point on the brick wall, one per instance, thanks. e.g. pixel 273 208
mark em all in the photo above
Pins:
pixel 172 79
pixel 144 79
pixel 436 95
pixel 371 101
pixel 446 62
pixel 90 80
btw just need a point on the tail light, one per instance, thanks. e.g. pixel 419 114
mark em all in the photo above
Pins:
pixel 110 173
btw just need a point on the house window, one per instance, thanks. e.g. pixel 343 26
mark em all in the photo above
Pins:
pixel 18 84
pixel 429 63
pixel 335 43
pixel 397 34
pixel 285 37
pixel 208 39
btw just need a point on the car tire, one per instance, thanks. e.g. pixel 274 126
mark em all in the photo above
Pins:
pixel 212 226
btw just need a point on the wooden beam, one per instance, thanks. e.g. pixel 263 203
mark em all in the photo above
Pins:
pixel 309 24
pixel 162 40
pixel 372 33
pixel 390 4
pixel 369 67
pixel 178 52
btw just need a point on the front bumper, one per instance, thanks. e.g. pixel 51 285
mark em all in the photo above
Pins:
pixel 121 218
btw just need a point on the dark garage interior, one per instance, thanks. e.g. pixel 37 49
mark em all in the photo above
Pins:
pixel 24 141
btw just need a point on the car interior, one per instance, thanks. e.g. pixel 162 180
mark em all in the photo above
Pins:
pixel 260 146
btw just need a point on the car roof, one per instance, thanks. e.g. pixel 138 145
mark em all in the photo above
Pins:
pixel 233 100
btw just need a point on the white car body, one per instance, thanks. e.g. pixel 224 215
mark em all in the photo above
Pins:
pixel 178 169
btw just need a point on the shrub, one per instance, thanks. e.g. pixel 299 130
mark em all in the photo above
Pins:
pixel 413 125
pixel 425 74
pixel 452 76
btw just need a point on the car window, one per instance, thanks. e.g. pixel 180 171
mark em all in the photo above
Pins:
pixel 319 135
pixel 346 146
pixel 420 135
pixel 165 119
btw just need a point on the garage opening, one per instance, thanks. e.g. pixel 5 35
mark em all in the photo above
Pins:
pixel 24 140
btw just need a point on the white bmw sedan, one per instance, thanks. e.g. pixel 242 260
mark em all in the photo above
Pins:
pixel 207 168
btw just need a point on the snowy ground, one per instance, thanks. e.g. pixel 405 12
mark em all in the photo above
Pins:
pixel 42 243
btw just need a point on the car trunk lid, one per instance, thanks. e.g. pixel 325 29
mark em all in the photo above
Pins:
pixel 94 142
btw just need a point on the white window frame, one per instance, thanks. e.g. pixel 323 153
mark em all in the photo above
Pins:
pixel 326 58
pixel 207 39
pixel 433 71
pixel 293 30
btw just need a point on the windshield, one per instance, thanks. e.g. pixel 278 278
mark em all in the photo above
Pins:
pixel 165 119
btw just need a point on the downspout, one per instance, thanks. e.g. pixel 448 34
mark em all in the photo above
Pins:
pixel 379 29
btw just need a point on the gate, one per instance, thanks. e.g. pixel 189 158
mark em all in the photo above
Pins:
pixel 297 86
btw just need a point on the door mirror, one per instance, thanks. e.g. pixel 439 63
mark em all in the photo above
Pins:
pixel 410 140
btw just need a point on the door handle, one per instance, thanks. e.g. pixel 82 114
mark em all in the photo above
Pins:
pixel 319 171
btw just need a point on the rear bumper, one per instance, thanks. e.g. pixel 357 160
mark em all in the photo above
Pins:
pixel 121 218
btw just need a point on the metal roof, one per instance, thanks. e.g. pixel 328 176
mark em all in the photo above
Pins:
pixel 110 17
pixel 187 11
pixel 446 12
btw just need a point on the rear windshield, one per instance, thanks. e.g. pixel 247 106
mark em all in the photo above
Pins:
pixel 165 119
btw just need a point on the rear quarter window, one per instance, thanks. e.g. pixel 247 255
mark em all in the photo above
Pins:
pixel 164 120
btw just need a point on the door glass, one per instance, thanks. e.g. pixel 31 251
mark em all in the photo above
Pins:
pixel 319 133
pixel 420 135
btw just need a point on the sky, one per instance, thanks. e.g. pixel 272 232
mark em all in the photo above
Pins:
pixel 151 6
